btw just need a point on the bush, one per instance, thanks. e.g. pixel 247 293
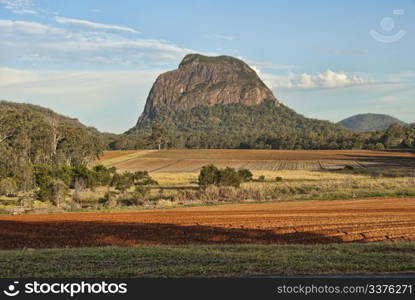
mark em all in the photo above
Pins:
pixel 43 174
pixel 245 175
pixel 109 200
pixel 8 186
pixel 209 175
pixel 54 191
pixel 261 178
pixel 102 175
pixel 143 178
pixel 278 179
pixel 26 201
pixel 229 177
pixel 89 177
pixel 141 192
pixel 122 182
pixel 379 146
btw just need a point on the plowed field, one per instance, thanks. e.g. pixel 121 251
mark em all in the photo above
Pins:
pixel 363 220
pixel 178 161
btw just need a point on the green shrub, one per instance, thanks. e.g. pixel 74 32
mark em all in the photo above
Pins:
pixel 54 191
pixel 8 186
pixel 261 178
pixel 379 146
pixel 143 178
pixel 209 175
pixel 89 177
pixel 245 175
pixel 122 182
pixel 141 192
pixel 229 177
pixel 43 174
pixel 102 175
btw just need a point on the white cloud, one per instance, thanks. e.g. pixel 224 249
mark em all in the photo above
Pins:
pixel 21 39
pixel 93 25
pixel 327 79
pixel 19 6
pixel 271 66
pixel 10 77
pixel 11 29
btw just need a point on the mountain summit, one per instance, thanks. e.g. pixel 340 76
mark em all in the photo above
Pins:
pixel 220 102
pixel 205 80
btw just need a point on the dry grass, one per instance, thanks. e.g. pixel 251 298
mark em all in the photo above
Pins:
pixel 295 185
pixel 178 189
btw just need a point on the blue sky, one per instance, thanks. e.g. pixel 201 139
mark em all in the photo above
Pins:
pixel 97 59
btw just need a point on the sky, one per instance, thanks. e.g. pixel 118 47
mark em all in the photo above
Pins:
pixel 96 60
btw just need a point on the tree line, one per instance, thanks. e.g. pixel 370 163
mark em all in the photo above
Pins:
pixel 263 126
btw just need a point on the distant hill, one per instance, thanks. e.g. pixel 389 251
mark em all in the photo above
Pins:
pixel 44 112
pixel 369 122
pixel 31 134
pixel 31 116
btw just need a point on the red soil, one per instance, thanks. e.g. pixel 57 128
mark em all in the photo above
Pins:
pixel 364 220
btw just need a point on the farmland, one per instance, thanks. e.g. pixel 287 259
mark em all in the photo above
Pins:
pixel 178 161
pixel 304 175
pixel 268 223
pixel 359 217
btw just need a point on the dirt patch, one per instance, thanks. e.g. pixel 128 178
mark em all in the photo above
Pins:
pixel 269 223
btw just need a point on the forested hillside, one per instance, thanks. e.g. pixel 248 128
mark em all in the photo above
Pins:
pixel 263 126
pixel 32 135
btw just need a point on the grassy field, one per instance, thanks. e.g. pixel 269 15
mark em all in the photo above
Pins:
pixel 306 175
pixel 181 189
pixel 209 261
pixel 298 185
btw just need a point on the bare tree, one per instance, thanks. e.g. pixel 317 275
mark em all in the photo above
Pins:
pixel 79 187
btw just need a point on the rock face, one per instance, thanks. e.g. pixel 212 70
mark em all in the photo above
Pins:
pixel 204 80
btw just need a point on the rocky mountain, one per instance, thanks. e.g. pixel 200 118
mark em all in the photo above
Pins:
pixel 203 80
pixel 220 102
pixel 369 122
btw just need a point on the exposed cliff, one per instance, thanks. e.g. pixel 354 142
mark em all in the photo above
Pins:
pixel 204 80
